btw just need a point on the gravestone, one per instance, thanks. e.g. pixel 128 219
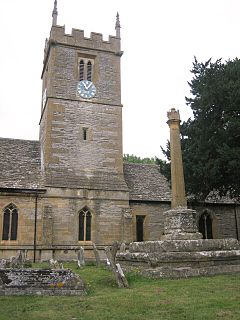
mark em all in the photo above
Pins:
pixel 81 258
pixel 96 253
pixel 117 270
pixel 40 282
pixel 122 247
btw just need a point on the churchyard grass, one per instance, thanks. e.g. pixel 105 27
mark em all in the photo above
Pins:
pixel 207 298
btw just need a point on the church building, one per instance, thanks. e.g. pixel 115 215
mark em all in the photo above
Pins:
pixel 71 188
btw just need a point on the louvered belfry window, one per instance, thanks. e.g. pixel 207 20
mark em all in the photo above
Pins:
pixel 81 70
pixel 89 71
pixel 10 223
pixel 85 222
pixel 85 68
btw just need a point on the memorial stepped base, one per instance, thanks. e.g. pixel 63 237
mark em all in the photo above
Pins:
pixel 182 258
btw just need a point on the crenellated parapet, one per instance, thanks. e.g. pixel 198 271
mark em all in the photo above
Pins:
pixel 77 38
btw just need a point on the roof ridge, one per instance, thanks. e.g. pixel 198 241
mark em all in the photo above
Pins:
pixel 14 139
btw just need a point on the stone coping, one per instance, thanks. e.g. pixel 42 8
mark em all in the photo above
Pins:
pixel 184 245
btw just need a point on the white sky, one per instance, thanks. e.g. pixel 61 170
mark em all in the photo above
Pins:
pixel 159 40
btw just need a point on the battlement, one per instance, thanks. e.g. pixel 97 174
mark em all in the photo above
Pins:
pixel 76 38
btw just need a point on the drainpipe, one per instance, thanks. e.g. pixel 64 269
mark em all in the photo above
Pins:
pixel 236 221
pixel 35 231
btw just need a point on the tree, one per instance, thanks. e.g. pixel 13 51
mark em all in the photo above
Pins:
pixel 132 158
pixel 211 141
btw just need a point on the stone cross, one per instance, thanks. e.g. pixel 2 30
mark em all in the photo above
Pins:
pixel 177 177
pixel 179 222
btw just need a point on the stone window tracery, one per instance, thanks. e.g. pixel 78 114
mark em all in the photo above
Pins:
pixel 205 225
pixel 85 222
pixel 10 222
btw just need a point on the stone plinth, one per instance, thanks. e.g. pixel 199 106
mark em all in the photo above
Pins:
pixel 180 224
pixel 182 258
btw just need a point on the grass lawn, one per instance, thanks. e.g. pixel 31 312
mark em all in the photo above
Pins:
pixel 202 298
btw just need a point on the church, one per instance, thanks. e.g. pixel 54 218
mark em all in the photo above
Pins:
pixel 71 188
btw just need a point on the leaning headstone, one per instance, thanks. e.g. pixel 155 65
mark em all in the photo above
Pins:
pixel 81 259
pixel 117 270
pixel 114 248
pixel 96 253
pixel 122 275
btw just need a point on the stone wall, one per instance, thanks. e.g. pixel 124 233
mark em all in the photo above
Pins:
pixel 225 219
pixel 69 161
pixel 112 219
pixel 58 222
pixel 26 218
pixel 153 222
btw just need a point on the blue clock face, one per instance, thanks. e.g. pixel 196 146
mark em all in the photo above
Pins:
pixel 86 89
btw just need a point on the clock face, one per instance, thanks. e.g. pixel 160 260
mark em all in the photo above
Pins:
pixel 86 89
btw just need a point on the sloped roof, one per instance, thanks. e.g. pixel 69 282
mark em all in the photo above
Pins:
pixel 20 168
pixel 20 164
pixel 146 183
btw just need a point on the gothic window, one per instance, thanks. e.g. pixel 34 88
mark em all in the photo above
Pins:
pixel 139 228
pixel 85 68
pixel 10 223
pixel 206 225
pixel 81 70
pixel 85 222
pixel 89 71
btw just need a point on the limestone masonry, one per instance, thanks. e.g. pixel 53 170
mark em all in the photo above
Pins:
pixel 71 188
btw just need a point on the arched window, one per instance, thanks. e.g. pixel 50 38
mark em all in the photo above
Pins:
pixel 206 225
pixel 85 222
pixel 81 70
pixel 89 71
pixel 10 223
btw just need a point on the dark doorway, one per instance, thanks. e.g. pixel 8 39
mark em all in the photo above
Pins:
pixel 139 228
pixel 205 226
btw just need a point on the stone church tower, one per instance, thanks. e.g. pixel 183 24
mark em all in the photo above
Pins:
pixel 81 122
pixel 81 136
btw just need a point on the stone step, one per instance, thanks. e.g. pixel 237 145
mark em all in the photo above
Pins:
pixel 184 245
pixel 180 258
pixel 187 272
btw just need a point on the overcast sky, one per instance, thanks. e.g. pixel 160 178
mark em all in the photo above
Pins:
pixel 159 40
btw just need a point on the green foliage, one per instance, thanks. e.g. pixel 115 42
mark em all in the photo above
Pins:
pixel 197 298
pixel 163 165
pixel 211 141
pixel 132 158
